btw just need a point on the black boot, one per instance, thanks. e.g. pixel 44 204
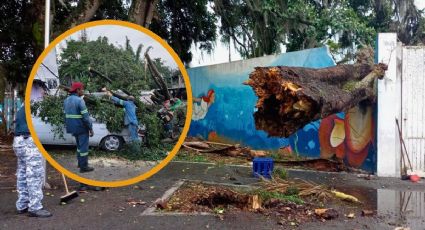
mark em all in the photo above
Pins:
pixel 22 211
pixel 40 213
pixel 86 169
pixel 83 187
pixel 97 189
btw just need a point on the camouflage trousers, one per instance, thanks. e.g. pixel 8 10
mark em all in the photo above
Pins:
pixel 29 173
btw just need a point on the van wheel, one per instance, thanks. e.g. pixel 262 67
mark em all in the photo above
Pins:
pixel 112 143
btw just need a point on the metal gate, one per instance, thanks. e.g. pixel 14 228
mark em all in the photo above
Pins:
pixel 413 104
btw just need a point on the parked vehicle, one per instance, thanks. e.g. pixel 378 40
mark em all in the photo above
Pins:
pixel 102 137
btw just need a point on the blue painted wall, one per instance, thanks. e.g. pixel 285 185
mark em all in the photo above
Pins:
pixel 231 115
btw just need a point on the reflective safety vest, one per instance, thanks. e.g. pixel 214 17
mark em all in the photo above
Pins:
pixel 77 117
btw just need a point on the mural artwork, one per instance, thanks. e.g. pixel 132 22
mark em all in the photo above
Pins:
pixel 223 111
pixel 201 105
pixel 348 138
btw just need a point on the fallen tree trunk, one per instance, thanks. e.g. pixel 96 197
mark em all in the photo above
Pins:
pixel 291 97
pixel 157 76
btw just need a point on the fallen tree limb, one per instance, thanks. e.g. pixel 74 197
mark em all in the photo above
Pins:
pixel 191 148
pixel 157 76
pixel 93 71
pixel 216 143
pixel 291 97
pixel 197 144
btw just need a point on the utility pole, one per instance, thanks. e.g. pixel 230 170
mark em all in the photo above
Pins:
pixel 46 43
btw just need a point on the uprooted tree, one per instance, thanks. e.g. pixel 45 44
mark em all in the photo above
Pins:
pixel 291 97
pixel 124 75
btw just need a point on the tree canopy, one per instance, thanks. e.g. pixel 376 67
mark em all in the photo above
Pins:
pixel 22 25
pixel 123 65
pixel 258 28
pixel 254 27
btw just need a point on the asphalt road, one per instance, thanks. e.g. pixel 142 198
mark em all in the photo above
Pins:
pixel 109 209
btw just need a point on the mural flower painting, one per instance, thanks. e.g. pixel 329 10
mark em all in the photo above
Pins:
pixel 348 139
pixel 201 105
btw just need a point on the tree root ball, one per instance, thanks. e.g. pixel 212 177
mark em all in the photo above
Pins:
pixel 291 97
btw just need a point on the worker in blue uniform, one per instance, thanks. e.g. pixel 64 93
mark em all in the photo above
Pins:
pixel 130 118
pixel 30 170
pixel 78 123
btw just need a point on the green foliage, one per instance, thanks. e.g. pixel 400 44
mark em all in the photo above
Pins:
pixel 155 154
pixel 180 23
pixel 259 27
pixel 291 191
pixel 121 64
pixel 118 64
pixel 37 34
pixel 135 152
pixel 51 110
pixel 187 156
pixel 19 38
pixel 266 195
pixel 154 127
pixel 281 173
pixel 184 23
pixel 276 156
pixel 124 67
pixel 180 115
pixel 107 113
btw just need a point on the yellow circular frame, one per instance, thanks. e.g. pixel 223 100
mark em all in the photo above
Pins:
pixel 133 180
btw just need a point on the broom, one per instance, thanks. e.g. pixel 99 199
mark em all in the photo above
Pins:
pixel 69 195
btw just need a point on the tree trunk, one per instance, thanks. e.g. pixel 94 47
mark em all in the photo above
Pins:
pixel 408 20
pixel 291 97
pixel 89 8
pixel 2 92
pixel 85 12
pixel 141 12
pixel 157 77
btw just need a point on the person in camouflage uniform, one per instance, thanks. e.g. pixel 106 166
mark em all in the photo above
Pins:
pixel 30 171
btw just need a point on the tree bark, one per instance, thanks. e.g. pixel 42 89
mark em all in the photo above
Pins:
pixel 408 20
pixel 291 97
pixel 141 12
pixel 85 12
pixel 157 77
pixel 89 8
pixel 2 92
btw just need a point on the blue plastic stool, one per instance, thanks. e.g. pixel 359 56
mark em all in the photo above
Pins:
pixel 262 166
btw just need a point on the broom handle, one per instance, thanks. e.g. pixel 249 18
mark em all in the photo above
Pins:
pixel 403 145
pixel 66 185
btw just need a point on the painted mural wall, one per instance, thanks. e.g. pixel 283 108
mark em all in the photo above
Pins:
pixel 223 111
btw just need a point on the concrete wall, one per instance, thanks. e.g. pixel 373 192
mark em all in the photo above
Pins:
pixel 228 114
pixel 389 105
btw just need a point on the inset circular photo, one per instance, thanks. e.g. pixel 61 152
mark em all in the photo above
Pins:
pixel 108 103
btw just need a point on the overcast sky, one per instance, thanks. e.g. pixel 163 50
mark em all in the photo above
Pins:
pixel 420 4
pixel 116 35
